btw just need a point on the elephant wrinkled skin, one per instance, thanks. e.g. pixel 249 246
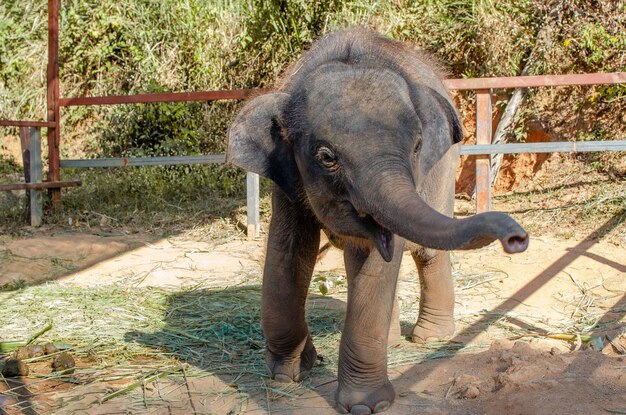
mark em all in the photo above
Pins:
pixel 360 140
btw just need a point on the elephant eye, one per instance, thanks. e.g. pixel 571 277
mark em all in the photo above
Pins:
pixel 326 158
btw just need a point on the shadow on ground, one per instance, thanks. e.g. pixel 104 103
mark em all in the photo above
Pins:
pixel 217 332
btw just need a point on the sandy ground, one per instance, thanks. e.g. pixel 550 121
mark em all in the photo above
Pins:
pixel 556 286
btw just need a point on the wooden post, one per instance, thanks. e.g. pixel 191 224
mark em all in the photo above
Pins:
pixel 252 189
pixel 36 175
pixel 54 171
pixel 483 162
pixel 25 145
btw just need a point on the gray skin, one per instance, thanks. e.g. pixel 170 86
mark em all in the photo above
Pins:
pixel 359 140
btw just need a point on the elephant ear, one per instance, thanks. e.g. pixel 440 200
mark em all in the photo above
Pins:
pixel 456 129
pixel 255 142
pixel 441 125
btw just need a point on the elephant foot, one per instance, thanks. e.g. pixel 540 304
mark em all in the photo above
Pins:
pixel 428 330
pixel 293 367
pixel 364 402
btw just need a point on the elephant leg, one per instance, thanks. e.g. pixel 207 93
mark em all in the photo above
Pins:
pixel 436 313
pixel 293 241
pixel 395 333
pixel 362 375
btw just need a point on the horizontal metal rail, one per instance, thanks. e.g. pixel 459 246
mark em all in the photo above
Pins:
pixel 163 97
pixel 10 123
pixel 455 84
pixel 536 81
pixel 144 161
pixel 39 185
pixel 548 147
pixel 476 149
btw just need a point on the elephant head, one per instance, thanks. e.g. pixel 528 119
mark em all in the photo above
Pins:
pixel 353 143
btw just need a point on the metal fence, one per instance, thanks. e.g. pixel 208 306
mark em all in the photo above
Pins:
pixel 482 150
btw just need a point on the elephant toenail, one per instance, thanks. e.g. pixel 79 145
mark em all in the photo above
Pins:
pixel 382 406
pixel 282 378
pixel 360 410
pixel 301 376
pixel 341 409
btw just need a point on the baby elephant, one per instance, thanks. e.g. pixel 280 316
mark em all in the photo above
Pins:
pixel 359 139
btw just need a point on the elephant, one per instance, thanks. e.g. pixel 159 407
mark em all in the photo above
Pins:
pixel 360 140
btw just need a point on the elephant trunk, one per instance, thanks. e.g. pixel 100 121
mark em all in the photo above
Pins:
pixel 403 212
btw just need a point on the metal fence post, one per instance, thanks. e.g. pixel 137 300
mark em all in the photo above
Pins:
pixel 483 162
pixel 252 190
pixel 54 132
pixel 36 175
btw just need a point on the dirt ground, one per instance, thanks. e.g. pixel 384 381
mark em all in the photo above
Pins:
pixel 512 312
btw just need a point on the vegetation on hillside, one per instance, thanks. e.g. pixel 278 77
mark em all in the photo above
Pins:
pixel 133 46
pixel 141 46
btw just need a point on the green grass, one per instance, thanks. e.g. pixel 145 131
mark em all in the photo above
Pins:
pixel 139 46
pixel 152 198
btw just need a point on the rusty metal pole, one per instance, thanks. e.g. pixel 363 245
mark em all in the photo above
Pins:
pixel 483 162
pixel 54 171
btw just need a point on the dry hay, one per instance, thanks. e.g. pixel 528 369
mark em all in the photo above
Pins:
pixel 126 337
pixel 131 336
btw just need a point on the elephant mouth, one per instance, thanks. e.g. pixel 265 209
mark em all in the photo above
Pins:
pixel 382 238
pixel 361 225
